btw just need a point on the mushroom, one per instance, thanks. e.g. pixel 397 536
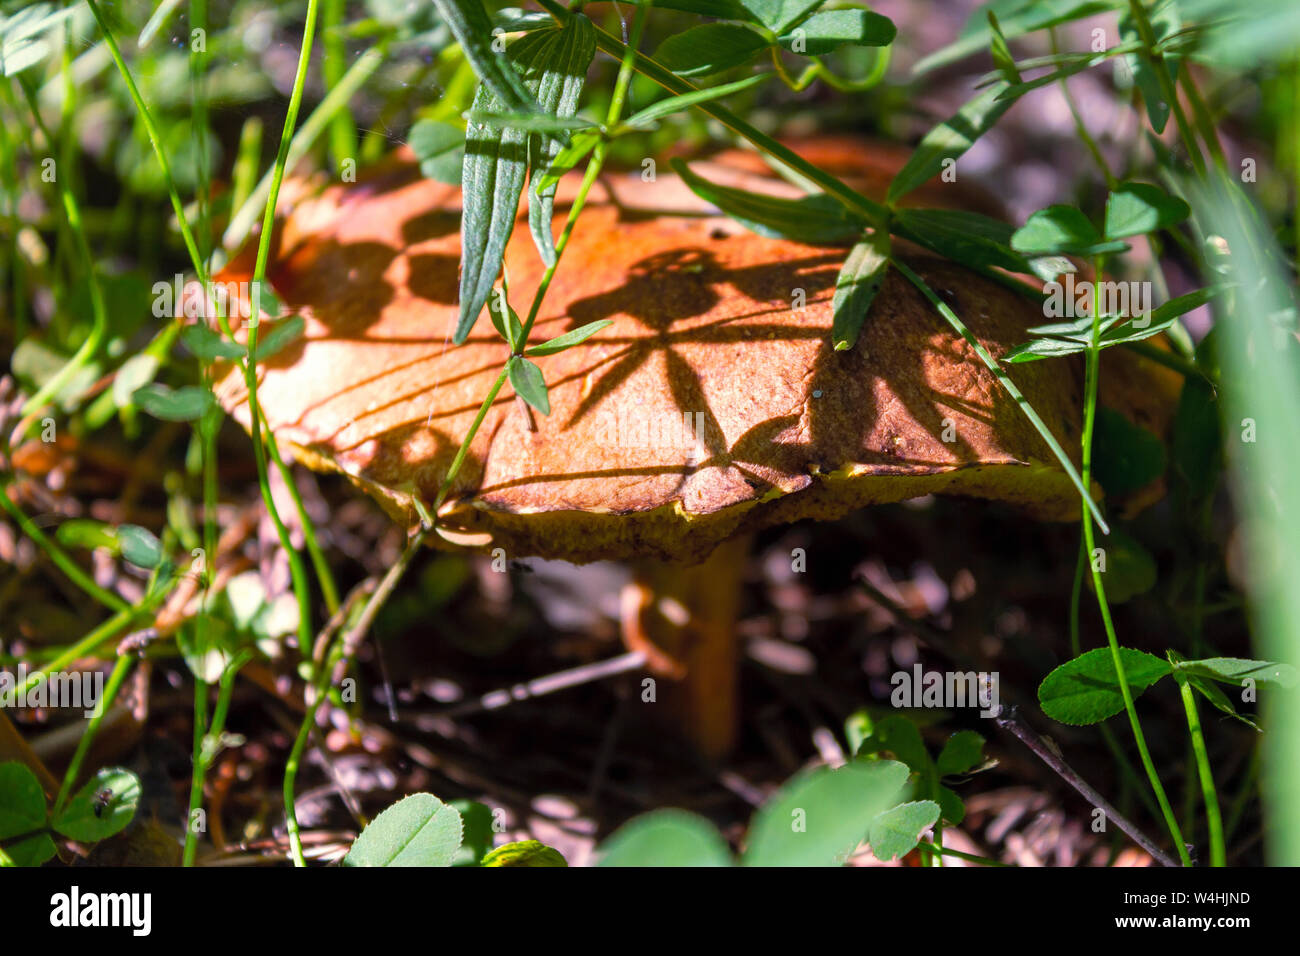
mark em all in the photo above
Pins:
pixel 713 406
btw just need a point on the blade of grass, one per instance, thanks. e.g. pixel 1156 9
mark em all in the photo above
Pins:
pixel 1012 389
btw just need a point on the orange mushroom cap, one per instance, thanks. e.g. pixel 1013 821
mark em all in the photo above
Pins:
pixel 713 404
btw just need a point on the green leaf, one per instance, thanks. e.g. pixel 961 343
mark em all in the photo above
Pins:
pixel 569 339
pixel 419 830
pixel 530 122
pixel 498 158
pixel 1086 689
pixel 85 533
pixel 825 32
pixel 1135 209
pixel 558 93
pixel 470 25
pixel 207 651
pixel 22 810
pixel 859 280
pixel 1061 230
pixel 812 219
pixel 476 832
pixel 963 751
pixel 104 806
pixel 967 237
pixel 580 144
pixel 858 728
pixel 1126 456
pixel 440 150
pixel 1130 569
pixel 1234 670
pixel 208 345
pixel 1016 18
pixel 718 9
pixel 505 320
pixel 282 333
pixel 897 831
pixel 179 405
pixel 900 737
pixel 525 853
pixel 779 15
pixel 820 817
pixel 1002 58
pixel 949 140
pixel 666 838
pixel 1196 449
pixel 529 383
pixel 139 545
pixel 675 104
pixel 135 373
pixel 1165 21
pixel 710 48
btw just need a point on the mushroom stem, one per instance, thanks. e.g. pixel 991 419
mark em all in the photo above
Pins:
pixel 683 619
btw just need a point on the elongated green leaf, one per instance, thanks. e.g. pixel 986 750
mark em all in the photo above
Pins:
pixel 897 831
pixel 710 48
pixel 856 287
pixel 666 838
pixel 1164 19
pixel 675 104
pixel 529 383
pixel 472 29
pixel 812 219
pixel 1002 58
pixel 104 806
pixel 1086 690
pixel 949 140
pixel 970 238
pixel 558 93
pixel 492 177
pixel 419 830
pixel 505 319
pixel 1016 18
pixel 569 339
pixel 828 31
pixel 580 144
pixel 1234 670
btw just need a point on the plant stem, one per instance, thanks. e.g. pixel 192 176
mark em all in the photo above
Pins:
pixel 99 315
pixel 90 643
pixel 120 670
pixel 1093 356
pixel 1213 817
pixel 250 369
pixel 1079 482
pixel 56 554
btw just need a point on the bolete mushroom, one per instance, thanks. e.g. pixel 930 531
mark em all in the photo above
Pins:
pixel 713 406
